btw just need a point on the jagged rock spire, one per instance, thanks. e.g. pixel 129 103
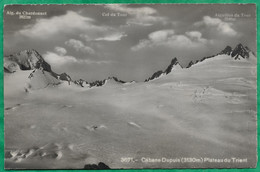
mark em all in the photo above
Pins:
pixel 174 62
pixel 240 50
pixel 159 73
pixel 227 50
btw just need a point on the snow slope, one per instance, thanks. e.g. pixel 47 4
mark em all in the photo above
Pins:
pixel 207 110
pixel 40 79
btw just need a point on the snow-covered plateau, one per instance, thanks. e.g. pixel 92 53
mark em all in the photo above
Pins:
pixel 206 110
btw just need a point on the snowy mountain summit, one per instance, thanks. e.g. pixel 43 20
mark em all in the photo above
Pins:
pixel 41 74
pixel 174 64
pixel 25 60
pixel 238 53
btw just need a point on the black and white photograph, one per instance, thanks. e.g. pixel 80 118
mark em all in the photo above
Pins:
pixel 130 86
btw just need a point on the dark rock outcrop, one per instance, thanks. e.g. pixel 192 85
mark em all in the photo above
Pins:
pixel 155 75
pixel 99 166
pixel 65 77
pixel 227 50
pixel 159 73
pixel 197 61
pixel 190 64
pixel 79 82
pixel 117 80
pixel 240 50
pixel 174 62
pixel 97 83
pixel 102 82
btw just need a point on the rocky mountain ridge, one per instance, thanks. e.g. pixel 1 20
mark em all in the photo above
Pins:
pixel 32 60
pixel 238 53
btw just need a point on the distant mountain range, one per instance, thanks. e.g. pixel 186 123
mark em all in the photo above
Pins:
pixel 42 74
pixel 32 60
pixel 240 52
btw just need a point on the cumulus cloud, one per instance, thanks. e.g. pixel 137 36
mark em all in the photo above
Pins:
pixel 216 23
pixel 144 16
pixel 70 23
pixel 146 20
pixel 161 35
pixel 112 37
pixel 60 50
pixel 196 35
pixel 79 46
pixel 67 23
pixel 57 59
pixel 131 11
pixel 168 38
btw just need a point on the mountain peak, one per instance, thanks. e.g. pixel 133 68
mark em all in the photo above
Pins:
pixel 174 62
pixel 240 50
pixel 227 50
pixel 30 53
pixel 28 59
pixel 116 79
pixel 240 45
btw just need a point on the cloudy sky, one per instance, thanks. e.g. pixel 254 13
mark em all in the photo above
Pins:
pixel 130 41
